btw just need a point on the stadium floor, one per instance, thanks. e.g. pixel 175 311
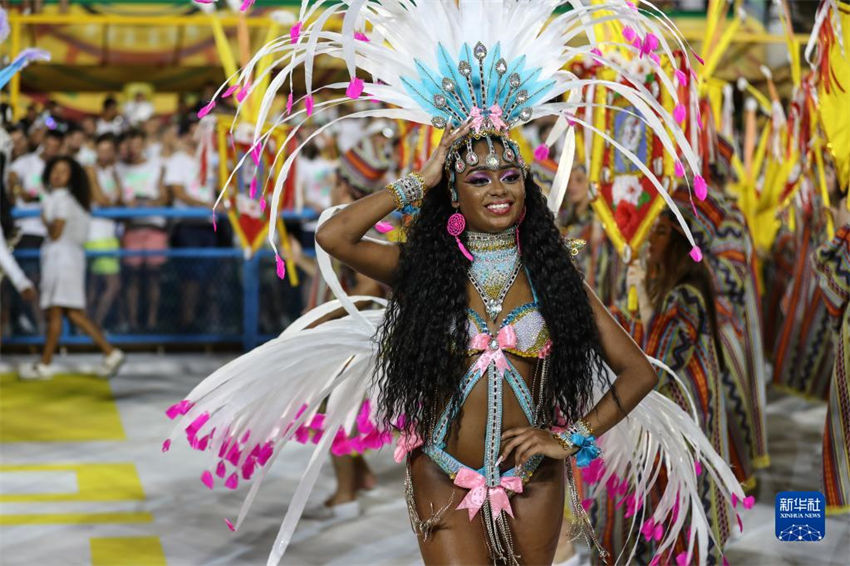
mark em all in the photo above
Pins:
pixel 83 481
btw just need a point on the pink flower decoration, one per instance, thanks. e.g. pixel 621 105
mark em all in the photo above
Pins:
pixel 221 469
pixel 230 90
pixel 245 437
pixel 289 104
pixel 696 254
pixel 295 32
pixel 679 113
pixel 253 190
pixel 658 533
pixel 681 77
pixel 206 109
pixel 308 104
pixel 749 501
pixel 263 203
pixel 698 58
pixel 655 560
pixel 541 152
pixel 631 5
pixel 246 5
pixel 355 88
pixel 682 559
pixel 256 152
pixel 740 523
pixel 586 503
pixel 700 187
pixel 214 223
pixel 232 482
pixel 679 169
pixel 698 468
pixel 229 525
pixel 207 479
pixel 280 266
pixel 360 36
pixel 629 34
pixel 647 528
pixel 655 58
pixel 166 445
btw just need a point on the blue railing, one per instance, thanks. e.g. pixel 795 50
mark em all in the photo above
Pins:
pixel 248 276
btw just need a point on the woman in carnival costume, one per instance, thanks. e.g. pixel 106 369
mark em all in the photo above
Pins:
pixel 678 323
pixel 493 359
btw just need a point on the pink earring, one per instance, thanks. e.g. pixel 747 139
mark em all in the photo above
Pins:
pixel 455 227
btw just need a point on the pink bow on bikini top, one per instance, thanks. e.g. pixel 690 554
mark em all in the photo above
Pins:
pixel 479 492
pixel 493 348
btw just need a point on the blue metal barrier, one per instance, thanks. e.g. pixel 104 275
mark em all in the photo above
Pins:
pixel 247 272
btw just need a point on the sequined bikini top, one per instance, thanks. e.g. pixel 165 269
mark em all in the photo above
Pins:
pixel 523 332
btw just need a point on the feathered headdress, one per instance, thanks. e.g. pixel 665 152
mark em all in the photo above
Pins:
pixel 499 62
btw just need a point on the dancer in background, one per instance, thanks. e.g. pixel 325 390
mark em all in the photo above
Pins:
pixel 831 262
pixel 63 265
pixel 677 323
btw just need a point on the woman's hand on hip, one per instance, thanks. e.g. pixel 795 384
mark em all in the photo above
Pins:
pixel 526 442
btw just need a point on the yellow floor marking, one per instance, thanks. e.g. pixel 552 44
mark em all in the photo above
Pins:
pixel 96 482
pixel 127 551
pixel 67 408
pixel 75 518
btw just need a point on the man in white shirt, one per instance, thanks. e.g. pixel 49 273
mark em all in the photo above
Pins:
pixel 141 181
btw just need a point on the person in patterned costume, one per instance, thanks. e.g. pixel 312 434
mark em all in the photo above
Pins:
pixel 677 323
pixel 805 348
pixel 730 259
pixel 831 262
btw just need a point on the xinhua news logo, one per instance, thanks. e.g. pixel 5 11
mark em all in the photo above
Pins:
pixel 800 516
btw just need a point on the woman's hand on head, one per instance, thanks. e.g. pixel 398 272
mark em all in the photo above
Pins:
pixel 526 442
pixel 432 171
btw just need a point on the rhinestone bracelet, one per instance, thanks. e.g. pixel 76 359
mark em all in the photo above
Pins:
pixel 407 191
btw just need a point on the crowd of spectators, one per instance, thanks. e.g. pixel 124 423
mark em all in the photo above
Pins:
pixel 133 158
pixel 136 158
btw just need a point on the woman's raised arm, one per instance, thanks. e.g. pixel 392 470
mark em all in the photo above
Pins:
pixel 342 235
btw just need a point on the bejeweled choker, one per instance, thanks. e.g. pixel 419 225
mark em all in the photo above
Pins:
pixel 494 268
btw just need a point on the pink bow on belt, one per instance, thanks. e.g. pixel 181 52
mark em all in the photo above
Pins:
pixel 479 492
pixel 505 339
pixel 494 113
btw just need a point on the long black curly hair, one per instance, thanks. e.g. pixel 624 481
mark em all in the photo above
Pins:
pixel 423 340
